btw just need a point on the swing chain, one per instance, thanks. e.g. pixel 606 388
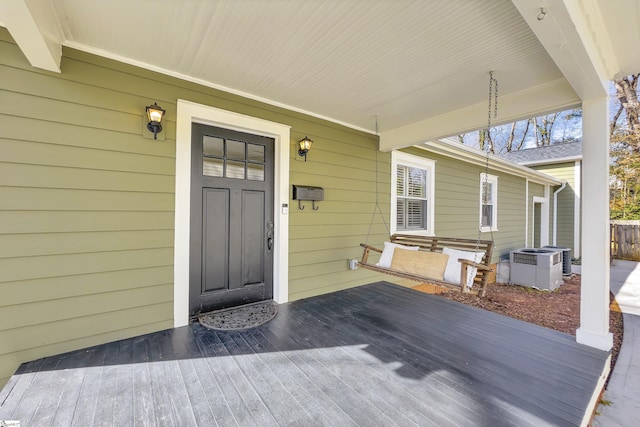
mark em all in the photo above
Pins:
pixel 493 102
pixel 484 194
pixel 377 206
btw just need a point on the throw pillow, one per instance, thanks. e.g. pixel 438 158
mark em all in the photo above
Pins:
pixel 452 272
pixel 387 253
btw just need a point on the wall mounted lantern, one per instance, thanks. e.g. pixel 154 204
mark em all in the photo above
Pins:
pixel 305 146
pixel 155 114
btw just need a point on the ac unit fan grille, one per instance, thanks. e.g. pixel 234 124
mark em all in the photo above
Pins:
pixel 525 259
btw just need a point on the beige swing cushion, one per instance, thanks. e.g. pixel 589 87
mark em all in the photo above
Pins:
pixel 476 282
pixel 421 263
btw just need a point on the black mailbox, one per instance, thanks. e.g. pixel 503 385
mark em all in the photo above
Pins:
pixel 306 192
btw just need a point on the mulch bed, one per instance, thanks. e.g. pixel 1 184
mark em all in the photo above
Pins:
pixel 559 309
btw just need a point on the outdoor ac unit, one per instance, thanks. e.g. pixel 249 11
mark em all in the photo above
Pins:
pixel 537 268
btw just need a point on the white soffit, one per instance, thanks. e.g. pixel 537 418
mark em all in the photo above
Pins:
pixel 402 60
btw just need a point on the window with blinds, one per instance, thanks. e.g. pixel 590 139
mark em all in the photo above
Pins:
pixel 412 198
pixel 487 205
pixel 488 202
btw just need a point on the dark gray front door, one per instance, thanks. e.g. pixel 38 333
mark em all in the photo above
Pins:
pixel 231 260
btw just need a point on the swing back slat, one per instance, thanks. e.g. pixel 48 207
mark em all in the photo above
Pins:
pixel 436 244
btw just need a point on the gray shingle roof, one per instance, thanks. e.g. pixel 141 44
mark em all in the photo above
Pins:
pixel 549 153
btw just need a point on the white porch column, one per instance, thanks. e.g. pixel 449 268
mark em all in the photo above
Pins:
pixel 594 300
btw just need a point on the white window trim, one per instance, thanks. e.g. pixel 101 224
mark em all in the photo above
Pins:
pixel 492 179
pixel 404 159
pixel 577 213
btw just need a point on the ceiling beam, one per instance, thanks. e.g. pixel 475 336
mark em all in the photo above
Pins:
pixel 624 33
pixel 567 31
pixel 34 26
pixel 554 96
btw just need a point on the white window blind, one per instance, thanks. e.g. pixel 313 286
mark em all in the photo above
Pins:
pixel 488 202
pixel 412 199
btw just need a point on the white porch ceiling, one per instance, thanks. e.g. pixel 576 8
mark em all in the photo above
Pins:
pixel 406 61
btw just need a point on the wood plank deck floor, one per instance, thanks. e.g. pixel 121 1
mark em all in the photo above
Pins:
pixel 377 355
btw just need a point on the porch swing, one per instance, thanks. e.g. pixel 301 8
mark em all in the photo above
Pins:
pixel 455 263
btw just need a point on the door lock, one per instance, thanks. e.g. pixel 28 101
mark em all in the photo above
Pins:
pixel 269 235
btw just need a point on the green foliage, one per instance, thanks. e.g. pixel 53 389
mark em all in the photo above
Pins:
pixel 624 186
pixel 624 183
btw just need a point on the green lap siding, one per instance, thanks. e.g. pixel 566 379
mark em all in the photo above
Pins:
pixel 457 203
pixel 321 242
pixel 87 202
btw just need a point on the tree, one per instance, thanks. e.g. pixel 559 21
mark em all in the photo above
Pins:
pixel 624 186
pixel 566 126
pixel 512 136
pixel 625 150
pixel 544 129
pixel 538 132
pixel 626 119
pixel 484 140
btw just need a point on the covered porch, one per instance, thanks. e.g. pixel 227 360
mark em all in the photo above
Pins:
pixel 379 354
pixel 422 73
pixel 96 214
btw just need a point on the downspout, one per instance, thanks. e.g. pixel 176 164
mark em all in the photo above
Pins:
pixel 526 216
pixel 555 211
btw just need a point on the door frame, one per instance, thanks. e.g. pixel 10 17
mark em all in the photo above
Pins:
pixel 544 220
pixel 187 113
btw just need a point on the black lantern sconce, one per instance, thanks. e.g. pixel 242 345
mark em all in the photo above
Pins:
pixel 305 146
pixel 155 114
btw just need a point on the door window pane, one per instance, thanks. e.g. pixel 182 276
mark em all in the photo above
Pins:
pixel 212 167
pixel 235 169
pixel 255 172
pixel 212 146
pixel 235 150
pixel 233 159
pixel 255 153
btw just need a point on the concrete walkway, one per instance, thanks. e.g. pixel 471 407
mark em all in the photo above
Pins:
pixel 624 387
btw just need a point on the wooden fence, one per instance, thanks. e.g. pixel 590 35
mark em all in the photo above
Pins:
pixel 625 241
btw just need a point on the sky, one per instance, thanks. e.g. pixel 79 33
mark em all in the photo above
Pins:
pixel 568 127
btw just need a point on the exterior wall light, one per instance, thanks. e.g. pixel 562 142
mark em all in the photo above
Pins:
pixel 305 146
pixel 155 114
